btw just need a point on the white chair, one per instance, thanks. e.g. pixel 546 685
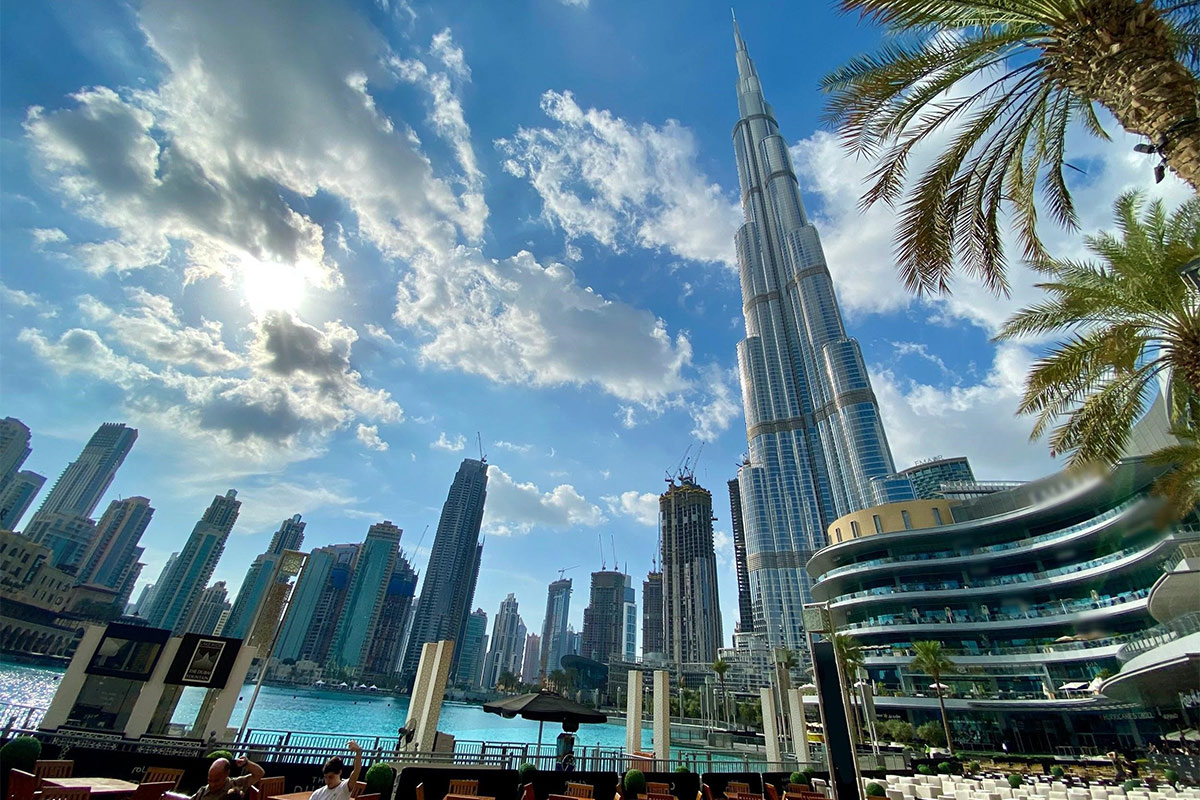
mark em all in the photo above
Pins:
pixel 1005 793
pixel 1098 792
pixel 894 794
pixel 925 791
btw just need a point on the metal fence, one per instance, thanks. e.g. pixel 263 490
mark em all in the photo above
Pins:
pixel 16 717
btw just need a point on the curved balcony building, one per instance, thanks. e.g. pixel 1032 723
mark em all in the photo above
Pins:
pixel 1032 592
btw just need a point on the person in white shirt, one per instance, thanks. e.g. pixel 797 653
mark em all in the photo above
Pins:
pixel 335 788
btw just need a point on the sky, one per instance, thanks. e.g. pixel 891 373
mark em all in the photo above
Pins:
pixel 320 252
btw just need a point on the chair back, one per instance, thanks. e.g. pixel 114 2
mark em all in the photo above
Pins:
pixel 466 787
pixel 660 796
pixel 658 788
pixel 579 790
pixel 272 787
pixel 358 788
pixel 162 775
pixel 733 787
pixel 374 796
pixel 153 791
pixel 22 785
pixel 53 769
pixel 59 793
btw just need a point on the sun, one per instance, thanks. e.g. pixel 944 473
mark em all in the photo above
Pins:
pixel 271 286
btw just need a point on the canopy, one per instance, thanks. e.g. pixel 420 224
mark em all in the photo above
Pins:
pixel 544 707
pixel 938 686
pixel 319 683
pixel 1074 685
pixel 1191 735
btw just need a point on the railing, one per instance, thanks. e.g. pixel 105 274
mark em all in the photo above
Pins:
pixel 989 549
pixel 996 649
pixel 1182 625
pixel 20 718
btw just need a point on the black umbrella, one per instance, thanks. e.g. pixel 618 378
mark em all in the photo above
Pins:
pixel 544 707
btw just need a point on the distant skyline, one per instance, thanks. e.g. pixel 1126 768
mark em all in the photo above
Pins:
pixel 308 252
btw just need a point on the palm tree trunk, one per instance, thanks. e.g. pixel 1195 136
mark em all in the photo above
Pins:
pixel 945 720
pixel 1120 53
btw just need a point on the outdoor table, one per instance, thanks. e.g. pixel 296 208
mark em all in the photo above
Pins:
pixel 292 796
pixel 109 788
pixel 470 797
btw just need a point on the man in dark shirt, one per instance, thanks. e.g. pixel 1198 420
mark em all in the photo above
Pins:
pixel 222 787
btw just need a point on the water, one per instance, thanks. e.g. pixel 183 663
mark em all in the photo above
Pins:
pixel 290 709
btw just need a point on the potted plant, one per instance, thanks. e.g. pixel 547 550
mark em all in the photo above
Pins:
pixel 943 767
pixel 1057 771
pixel 21 753
pixel 634 783
pixel 875 790
pixel 1015 780
pixel 798 779
pixel 925 769
pixel 1171 775
pixel 974 767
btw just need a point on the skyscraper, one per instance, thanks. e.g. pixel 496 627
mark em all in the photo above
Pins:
pixel 629 622
pixel 692 608
pixel 316 603
pixel 554 626
pixel 531 663
pixel 14 448
pixel 212 605
pixel 448 591
pixel 812 422
pixel 383 654
pixel 603 635
pixel 151 590
pixel 365 597
pixel 745 606
pixel 508 643
pixel 16 496
pixel 183 580
pixel 928 476
pixel 114 553
pixel 290 536
pixel 653 628
pixel 474 647
pixel 85 480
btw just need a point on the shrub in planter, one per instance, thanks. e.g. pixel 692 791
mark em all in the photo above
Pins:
pixel 683 769
pixel 875 790
pixel 925 769
pixel 1171 775
pixel 526 772
pixel 1130 785
pixel 974 767
pixel 1015 780
pixel 225 754
pixel 380 778
pixel 634 783
pixel 1057 771
pixel 799 778
pixel 21 753
pixel 944 767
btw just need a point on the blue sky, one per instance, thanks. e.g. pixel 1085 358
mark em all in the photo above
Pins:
pixel 310 250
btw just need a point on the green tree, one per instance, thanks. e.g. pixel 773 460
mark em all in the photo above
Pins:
pixel 933 662
pixel 848 651
pixel 1003 79
pixel 507 681
pixel 1130 320
pixel 721 666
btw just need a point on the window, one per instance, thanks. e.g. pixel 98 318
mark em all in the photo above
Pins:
pixel 878 523
pixel 907 520
pixel 937 516
pixel 854 529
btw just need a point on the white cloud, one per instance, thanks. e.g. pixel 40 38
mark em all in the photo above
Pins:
pixel 266 503
pixel 976 420
pixel 368 436
pixel 721 405
pixel 16 298
pixel 514 507
pixel 516 321
pixel 455 445
pixel 641 506
pixel 378 332
pixel 513 447
pixel 575 3
pixel 619 183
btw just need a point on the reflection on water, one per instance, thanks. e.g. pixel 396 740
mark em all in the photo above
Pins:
pixel 308 710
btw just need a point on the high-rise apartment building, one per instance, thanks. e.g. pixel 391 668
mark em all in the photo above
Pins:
pixel 508 644
pixel 692 607
pixel 16 496
pixel 66 534
pixel 745 606
pixel 85 480
pixel 112 560
pixel 474 648
pixel 629 622
pixel 653 628
pixel 151 591
pixel 554 627
pixel 574 642
pixel 365 597
pixel 183 580
pixel 210 608
pixel 448 591
pixel 384 652
pixel 14 448
pixel 316 603
pixel 815 436
pixel 531 663
pixel 603 636
pixel 290 536
pixel 927 477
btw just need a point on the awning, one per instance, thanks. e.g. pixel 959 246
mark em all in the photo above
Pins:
pixel 1073 686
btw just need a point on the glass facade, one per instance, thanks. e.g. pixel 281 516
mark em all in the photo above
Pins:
pixel 816 440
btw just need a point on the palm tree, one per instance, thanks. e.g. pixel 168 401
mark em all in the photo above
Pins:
pixel 1131 319
pixel 933 662
pixel 848 651
pixel 1004 79
pixel 721 666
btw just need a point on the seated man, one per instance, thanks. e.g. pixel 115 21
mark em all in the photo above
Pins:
pixel 335 788
pixel 222 787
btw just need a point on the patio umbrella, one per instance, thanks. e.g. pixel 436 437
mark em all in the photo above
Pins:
pixel 938 686
pixel 544 707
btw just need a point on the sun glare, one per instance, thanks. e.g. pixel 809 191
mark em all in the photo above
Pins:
pixel 268 286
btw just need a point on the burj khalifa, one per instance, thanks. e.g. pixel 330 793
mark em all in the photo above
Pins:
pixel 817 448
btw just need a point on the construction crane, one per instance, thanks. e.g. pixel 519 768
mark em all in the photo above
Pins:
pixel 565 569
